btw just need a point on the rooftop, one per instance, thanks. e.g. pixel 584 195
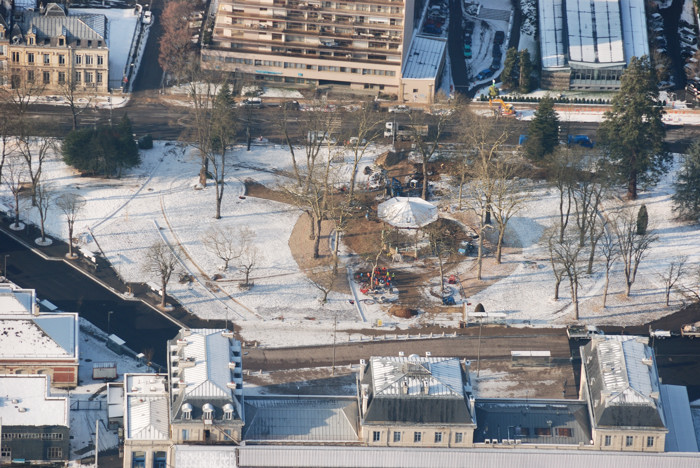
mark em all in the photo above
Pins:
pixel 594 30
pixel 25 401
pixel 46 336
pixel 15 300
pixel 552 33
pixel 307 419
pixel 424 58
pixel 146 414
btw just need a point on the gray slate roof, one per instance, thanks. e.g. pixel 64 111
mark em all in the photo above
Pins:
pixel 623 382
pixel 84 27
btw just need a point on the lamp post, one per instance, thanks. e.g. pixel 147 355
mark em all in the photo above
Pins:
pixel 4 270
pixel 109 320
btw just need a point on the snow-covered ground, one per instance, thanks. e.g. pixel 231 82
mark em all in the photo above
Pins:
pixel 159 200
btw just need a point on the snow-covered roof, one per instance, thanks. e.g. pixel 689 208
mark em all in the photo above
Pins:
pixel 634 28
pixel 623 381
pixel 411 375
pixel 15 300
pixel 46 336
pixel 552 33
pixel 424 58
pixel 146 407
pixel 25 401
pixel 595 34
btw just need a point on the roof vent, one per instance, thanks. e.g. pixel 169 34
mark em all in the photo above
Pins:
pixel 22 410
pixel 413 357
pixel 404 387
pixel 153 389
pixel 647 361
pixel 15 401
pixel 401 354
pixel 428 354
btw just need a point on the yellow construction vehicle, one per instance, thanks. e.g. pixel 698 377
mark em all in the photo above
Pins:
pixel 505 108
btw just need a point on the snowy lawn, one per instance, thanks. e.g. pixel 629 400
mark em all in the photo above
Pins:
pixel 160 200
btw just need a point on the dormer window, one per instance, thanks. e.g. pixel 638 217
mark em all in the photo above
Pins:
pixel 31 40
pixel 61 41
pixel 77 42
pixel 99 43
pixel 228 411
pixel 208 411
pixel 186 411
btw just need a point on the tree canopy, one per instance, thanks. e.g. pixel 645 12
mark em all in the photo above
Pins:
pixel 686 200
pixel 104 150
pixel 632 130
pixel 543 132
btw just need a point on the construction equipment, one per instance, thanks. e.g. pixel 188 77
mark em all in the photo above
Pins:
pixel 505 108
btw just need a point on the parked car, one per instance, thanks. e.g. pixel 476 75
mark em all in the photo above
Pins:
pixel 692 40
pixel 499 37
pixel 496 52
pixel 400 109
pixel 253 102
pixel 469 27
pixel 467 51
pixel 291 105
pixel 432 29
pixel 483 74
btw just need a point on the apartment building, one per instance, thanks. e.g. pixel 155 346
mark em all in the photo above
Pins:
pixel 361 44
pixel 52 50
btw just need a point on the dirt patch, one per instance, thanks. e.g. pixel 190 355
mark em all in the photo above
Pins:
pixel 258 190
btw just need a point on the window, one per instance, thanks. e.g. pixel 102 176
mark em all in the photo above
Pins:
pixel 61 59
pixel 564 431
pixel 608 441
pixel 138 460
pixel 99 77
pixel 31 40
pixel 15 57
pixel 30 79
pixel 88 60
pixel 47 59
pixel 61 41
pixel 650 441
pixel 438 437
pixel 5 452
pixel 397 436
pixel 61 77
pixel 2 50
pixel 78 59
pixel 88 77
pixel 458 437
pixel 47 77
pixel 54 452
pixel 160 460
pixel 78 76
pixel 415 90
pixel 376 436
pixel 185 434
pixel 100 60
pixel 30 57
pixel 417 436
pixel 629 440
pixel 543 431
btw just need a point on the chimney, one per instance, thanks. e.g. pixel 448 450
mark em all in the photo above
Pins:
pixel 404 387
pixel 426 387
pixel 363 363
pixel 365 398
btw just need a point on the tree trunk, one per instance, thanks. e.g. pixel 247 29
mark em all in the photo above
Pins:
pixel 591 258
pixel 312 226
pixel 70 240
pixel 43 239
pixel 499 246
pixel 605 288
pixel 203 171
pixel 317 237
pixel 574 296
pixel 163 293
pixel 247 276
pixel 424 194
pixel 668 294
pixel 461 189
pixel 353 177
pixel 481 252
pixel 17 209
pixel 556 289
pixel 335 252
pixel 219 196
pixel 628 288
pixel 632 186
pixel 442 274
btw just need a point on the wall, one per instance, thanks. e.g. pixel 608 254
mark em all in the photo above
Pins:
pixel 427 435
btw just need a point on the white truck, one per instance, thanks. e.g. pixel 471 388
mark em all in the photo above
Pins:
pixel 404 131
pixel 582 332
pixel 691 330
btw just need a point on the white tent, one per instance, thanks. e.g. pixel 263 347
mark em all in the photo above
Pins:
pixel 407 212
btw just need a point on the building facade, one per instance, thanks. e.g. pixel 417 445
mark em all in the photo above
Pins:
pixel 415 402
pixel 313 42
pixel 55 53
pixel 620 383
pixel 35 425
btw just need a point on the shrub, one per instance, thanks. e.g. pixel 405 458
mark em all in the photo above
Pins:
pixel 146 142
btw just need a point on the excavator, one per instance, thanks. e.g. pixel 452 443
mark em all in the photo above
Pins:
pixel 505 108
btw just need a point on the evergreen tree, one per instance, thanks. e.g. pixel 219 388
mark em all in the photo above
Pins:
pixel 686 200
pixel 525 71
pixel 543 132
pixel 510 73
pixel 632 130
pixel 127 154
pixel 642 220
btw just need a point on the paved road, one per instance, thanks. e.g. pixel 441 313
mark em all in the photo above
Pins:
pixel 140 326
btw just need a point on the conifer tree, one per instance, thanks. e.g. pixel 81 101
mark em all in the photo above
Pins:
pixel 543 132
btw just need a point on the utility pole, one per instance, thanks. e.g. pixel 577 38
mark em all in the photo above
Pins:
pixel 4 271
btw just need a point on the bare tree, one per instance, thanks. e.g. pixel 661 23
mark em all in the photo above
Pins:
pixel 161 261
pixel 34 151
pixel 70 204
pixel 426 143
pixel 14 176
pixel 673 273
pixel 551 238
pixel 7 145
pixel 633 247
pixel 221 241
pixel 78 100
pixel 365 124
pixel 610 252
pixel 442 244
pixel 323 279
pixel 565 254
pixel 248 254
pixel 480 190
pixel 507 197
pixel 223 135
pixel 44 197
pixel 563 166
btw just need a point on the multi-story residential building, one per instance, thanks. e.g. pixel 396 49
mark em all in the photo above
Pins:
pixel 34 425
pixel 37 343
pixel 53 51
pixel 620 383
pixel 360 44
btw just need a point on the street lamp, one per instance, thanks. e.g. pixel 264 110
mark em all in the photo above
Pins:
pixel 5 267
pixel 109 319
